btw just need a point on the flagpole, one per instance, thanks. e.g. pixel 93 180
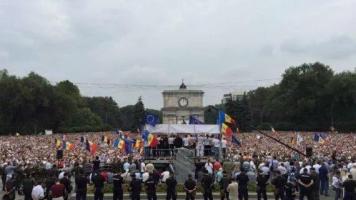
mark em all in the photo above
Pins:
pixel 280 142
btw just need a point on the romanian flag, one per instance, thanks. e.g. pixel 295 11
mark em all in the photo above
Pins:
pixel 69 146
pixel 226 130
pixel 152 140
pixel 225 118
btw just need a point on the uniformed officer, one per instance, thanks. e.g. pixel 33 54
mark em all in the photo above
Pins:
pixel 151 188
pixel 117 187
pixel 171 183
pixel 135 187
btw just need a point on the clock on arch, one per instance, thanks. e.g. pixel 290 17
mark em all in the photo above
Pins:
pixel 183 102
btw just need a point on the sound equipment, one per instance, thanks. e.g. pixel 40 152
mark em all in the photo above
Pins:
pixel 59 154
pixel 309 151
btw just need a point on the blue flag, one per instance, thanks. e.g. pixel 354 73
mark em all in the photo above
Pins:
pixel 116 143
pixel 145 135
pixel 128 145
pixel 151 119
pixel 193 120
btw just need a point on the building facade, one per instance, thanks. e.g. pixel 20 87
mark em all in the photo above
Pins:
pixel 179 105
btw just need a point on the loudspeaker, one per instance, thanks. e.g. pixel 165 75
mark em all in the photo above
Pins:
pixel 59 154
pixel 309 151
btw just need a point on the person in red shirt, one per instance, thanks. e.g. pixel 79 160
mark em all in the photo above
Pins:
pixel 58 191
pixel 216 166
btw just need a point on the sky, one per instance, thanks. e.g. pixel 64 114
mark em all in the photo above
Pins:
pixel 131 48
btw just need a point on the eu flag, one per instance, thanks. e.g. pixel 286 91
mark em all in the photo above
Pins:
pixel 152 119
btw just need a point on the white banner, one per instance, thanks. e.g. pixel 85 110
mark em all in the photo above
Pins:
pixel 184 129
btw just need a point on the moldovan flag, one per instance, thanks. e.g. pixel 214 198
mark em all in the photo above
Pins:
pixel 224 118
pixel 226 130
pixel 152 140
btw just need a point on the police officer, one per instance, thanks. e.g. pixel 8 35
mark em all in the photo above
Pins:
pixel 305 184
pixel 151 188
pixel 261 180
pixel 242 180
pixel 279 183
pixel 117 189
pixel 316 185
pixel 207 184
pixel 171 183
pixel 135 187
pixel 190 186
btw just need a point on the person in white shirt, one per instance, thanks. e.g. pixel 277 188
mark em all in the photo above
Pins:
pixel 61 175
pixel 37 192
pixel 209 167
pixel 164 176
pixel 200 146
pixel 145 176
pixel 142 167
pixel 317 166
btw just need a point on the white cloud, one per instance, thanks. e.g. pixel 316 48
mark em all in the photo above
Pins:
pixel 160 42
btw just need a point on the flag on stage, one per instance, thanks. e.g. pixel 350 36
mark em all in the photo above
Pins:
pixel 145 135
pixel 151 119
pixel 226 130
pixel 225 118
pixel 194 120
pixel 152 140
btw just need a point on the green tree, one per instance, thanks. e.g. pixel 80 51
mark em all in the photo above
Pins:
pixel 107 109
pixel 138 115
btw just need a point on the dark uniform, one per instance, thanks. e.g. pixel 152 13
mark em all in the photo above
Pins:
pixel 81 187
pixel 261 186
pixel 349 186
pixel 207 184
pixel 190 187
pixel 171 183
pixel 242 180
pixel 151 188
pixel 27 188
pixel 98 181
pixel 117 187
pixel 135 188
pixel 279 182
pixel 316 185
pixel 305 191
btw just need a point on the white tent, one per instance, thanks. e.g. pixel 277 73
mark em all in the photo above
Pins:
pixel 184 129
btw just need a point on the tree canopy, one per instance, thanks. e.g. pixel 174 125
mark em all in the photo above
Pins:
pixel 309 97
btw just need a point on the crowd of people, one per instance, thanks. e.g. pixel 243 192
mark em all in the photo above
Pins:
pixel 30 165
